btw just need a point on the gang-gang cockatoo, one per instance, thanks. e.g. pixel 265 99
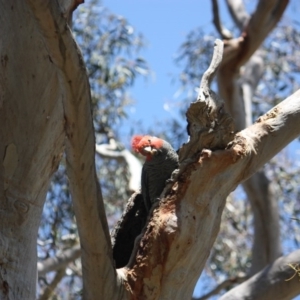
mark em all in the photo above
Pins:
pixel 161 161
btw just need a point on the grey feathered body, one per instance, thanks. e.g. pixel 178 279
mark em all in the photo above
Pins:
pixel 156 171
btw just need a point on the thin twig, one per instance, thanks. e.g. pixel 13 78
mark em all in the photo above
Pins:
pixel 224 32
pixel 212 69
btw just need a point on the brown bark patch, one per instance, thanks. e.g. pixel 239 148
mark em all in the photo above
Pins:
pixel 273 113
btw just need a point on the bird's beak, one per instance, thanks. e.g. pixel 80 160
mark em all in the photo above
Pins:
pixel 149 150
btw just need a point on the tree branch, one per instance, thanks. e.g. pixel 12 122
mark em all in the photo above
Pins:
pixel 271 283
pixel 32 137
pixel 48 292
pixel 224 32
pixel 260 142
pixel 210 73
pixel 238 51
pixel 227 283
pixel 134 165
pixel 261 23
pixel 238 13
pixel 58 262
pixel 269 134
pixel 99 277
pixel 266 237
pixel 208 125
pixel 251 74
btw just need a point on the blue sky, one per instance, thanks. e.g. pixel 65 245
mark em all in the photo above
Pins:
pixel 164 24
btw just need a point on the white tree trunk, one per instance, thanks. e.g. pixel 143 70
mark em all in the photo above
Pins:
pixel 31 135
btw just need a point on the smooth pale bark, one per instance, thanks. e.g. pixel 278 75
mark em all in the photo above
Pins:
pixel 271 132
pixel 99 275
pixel 31 144
pixel 251 75
pixel 277 281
